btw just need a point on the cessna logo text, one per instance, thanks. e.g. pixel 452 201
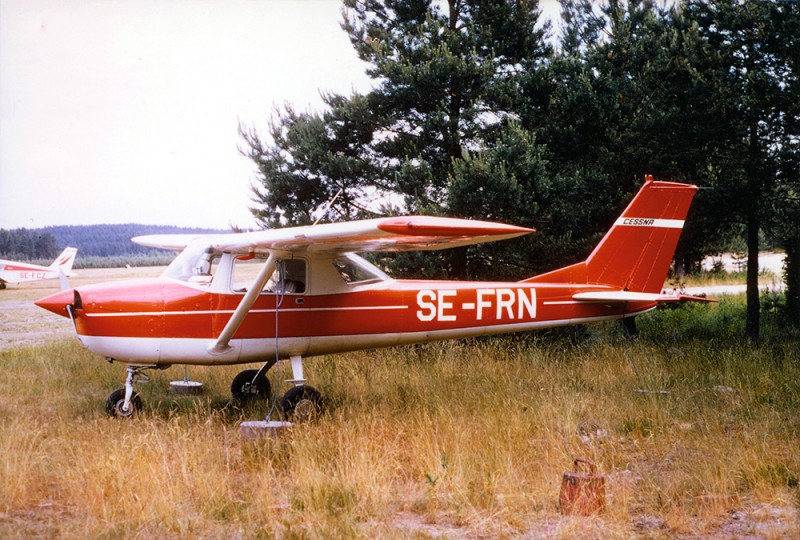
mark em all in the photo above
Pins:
pixel 448 304
pixel 638 221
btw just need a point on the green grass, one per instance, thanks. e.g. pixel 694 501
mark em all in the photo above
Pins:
pixel 454 440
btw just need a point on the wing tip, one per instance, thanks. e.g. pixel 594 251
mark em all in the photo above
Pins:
pixel 444 226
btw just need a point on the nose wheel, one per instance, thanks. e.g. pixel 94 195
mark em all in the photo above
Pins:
pixel 125 402
pixel 115 404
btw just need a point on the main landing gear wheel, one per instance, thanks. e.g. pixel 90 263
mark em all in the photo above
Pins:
pixel 243 389
pixel 301 403
pixel 115 404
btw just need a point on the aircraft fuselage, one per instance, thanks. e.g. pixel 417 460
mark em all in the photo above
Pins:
pixel 166 322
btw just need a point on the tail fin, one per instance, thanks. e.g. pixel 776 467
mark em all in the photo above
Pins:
pixel 64 261
pixel 636 253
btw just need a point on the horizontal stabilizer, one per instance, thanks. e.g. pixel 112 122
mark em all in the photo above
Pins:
pixel 632 296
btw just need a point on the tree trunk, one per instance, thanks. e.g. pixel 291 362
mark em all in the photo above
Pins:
pixel 753 215
pixel 792 276
pixel 753 304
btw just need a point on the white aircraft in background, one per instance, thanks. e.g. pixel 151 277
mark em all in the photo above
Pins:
pixel 17 272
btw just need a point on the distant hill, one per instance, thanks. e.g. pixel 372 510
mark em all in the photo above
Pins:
pixel 112 240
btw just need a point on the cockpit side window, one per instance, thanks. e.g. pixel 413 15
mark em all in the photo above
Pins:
pixel 291 273
pixel 294 277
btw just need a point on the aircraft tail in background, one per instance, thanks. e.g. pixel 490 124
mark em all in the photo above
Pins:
pixel 20 272
pixel 636 253
pixel 65 261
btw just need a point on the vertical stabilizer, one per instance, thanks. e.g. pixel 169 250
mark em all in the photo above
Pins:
pixel 64 262
pixel 636 253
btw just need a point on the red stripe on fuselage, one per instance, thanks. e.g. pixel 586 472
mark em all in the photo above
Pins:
pixel 21 268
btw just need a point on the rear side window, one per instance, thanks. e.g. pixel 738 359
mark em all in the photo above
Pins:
pixel 356 270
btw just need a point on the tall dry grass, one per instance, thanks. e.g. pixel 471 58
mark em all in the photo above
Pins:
pixel 455 440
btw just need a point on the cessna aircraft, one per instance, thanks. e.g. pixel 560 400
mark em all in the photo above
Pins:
pixel 17 272
pixel 298 292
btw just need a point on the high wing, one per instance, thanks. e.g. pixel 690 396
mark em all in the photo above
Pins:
pixel 174 242
pixel 405 233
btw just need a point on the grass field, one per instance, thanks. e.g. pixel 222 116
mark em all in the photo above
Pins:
pixel 463 439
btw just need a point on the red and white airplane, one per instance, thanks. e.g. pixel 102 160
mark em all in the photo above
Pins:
pixel 298 292
pixel 13 272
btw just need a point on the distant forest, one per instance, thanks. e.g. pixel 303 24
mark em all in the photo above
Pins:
pixel 98 245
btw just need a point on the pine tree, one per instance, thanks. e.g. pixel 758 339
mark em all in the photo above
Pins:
pixel 752 50
pixel 446 89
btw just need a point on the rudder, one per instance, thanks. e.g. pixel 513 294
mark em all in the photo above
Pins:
pixel 65 261
pixel 636 253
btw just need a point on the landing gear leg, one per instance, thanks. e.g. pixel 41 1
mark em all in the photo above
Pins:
pixel 302 402
pixel 629 327
pixel 297 371
pixel 125 402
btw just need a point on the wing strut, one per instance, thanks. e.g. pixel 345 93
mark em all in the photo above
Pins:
pixel 222 345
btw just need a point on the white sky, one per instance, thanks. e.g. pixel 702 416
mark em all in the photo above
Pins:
pixel 124 111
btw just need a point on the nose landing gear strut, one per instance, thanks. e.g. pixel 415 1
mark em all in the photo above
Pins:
pixel 125 402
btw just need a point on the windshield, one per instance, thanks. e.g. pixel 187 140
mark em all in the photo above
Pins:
pixel 195 263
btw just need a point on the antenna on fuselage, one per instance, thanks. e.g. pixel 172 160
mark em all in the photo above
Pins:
pixel 328 206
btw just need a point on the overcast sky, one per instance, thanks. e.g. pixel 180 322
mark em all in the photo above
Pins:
pixel 127 110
